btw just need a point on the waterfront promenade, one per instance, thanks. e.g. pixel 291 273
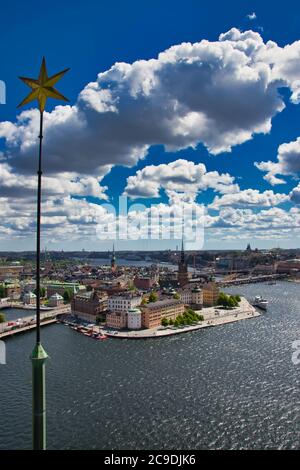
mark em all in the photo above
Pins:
pixel 213 316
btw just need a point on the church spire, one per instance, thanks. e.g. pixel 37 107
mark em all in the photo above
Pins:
pixel 113 260
pixel 182 252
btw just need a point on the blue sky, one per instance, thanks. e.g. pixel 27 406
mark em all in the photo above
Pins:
pixel 90 37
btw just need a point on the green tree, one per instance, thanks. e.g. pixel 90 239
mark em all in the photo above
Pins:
pixel 222 299
pixel 67 296
pixel 176 323
pixel 42 291
pixel 176 296
pixel 2 318
pixel 231 302
pixel 190 311
pixel 228 301
pixel 153 297
pixel 164 321
pixel 200 317
pixel 144 301
pixel 171 322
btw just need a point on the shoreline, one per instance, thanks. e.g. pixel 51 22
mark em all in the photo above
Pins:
pixel 245 311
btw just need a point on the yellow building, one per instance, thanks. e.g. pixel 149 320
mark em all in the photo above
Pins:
pixel 153 312
pixel 210 293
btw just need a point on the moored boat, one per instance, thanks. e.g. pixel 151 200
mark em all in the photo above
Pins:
pixel 260 302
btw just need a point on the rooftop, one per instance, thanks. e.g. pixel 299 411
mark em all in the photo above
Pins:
pixel 162 303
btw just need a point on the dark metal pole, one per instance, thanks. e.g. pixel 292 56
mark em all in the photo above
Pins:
pixel 39 355
pixel 41 89
pixel 38 235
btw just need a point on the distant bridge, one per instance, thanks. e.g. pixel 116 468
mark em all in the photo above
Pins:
pixel 29 323
pixel 252 279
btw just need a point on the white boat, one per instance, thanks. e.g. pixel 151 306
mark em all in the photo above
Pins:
pixel 260 302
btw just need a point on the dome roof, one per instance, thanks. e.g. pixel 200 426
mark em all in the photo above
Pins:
pixel 30 295
pixel 196 289
pixel 56 296
pixel 134 310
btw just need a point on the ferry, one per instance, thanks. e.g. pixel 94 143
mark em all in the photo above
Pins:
pixel 260 302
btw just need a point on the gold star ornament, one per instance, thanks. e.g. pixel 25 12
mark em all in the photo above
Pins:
pixel 43 87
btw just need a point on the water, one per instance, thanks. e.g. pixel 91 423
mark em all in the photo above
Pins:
pixel 228 387
pixel 119 261
pixel 15 313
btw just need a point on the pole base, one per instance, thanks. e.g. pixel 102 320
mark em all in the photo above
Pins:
pixel 38 359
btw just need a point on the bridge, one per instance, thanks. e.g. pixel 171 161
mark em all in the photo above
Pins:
pixel 29 323
pixel 251 279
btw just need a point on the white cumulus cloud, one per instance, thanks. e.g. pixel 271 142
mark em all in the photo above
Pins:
pixel 219 93
pixel 180 176
pixel 249 198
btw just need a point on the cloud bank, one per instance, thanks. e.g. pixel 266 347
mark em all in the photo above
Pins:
pixel 217 93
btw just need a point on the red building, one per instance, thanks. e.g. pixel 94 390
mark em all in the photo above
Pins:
pixel 143 283
pixel 89 306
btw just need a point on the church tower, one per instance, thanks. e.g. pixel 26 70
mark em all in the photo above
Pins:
pixel 113 261
pixel 183 277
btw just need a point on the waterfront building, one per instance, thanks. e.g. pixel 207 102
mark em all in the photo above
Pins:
pixel 29 298
pixel 192 297
pixel 263 269
pixel 56 300
pixel 124 301
pixel 153 312
pixel 134 319
pixel 288 266
pixel 89 305
pixel 183 276
pixel 210 294
pixel 117 320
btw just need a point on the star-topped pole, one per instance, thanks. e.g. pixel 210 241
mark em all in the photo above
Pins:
pixel 42 88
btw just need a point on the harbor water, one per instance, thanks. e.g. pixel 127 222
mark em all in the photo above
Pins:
pixel 228 387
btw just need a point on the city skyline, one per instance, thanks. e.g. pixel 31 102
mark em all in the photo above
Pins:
pixel 206 113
